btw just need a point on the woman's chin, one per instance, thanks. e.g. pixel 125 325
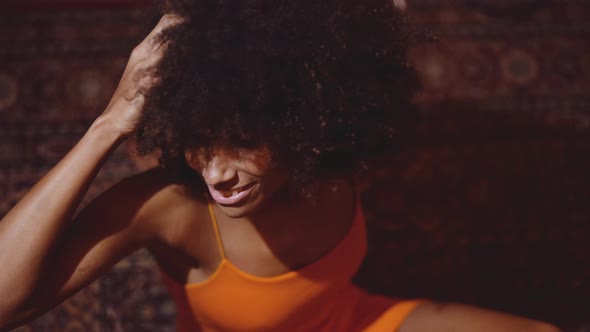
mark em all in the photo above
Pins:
pixel 241 210
pixel 257 201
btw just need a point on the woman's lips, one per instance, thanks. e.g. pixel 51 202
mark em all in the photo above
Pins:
pixel 233 196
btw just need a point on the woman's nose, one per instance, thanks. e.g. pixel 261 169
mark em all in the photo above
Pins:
pixel 218 172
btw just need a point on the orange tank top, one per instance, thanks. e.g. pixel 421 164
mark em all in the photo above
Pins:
pixel 316 298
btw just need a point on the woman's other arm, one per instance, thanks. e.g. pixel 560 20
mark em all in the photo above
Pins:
pixel 44 254
pixel 447 317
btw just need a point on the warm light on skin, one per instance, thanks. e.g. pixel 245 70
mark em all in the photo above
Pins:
pixel 225 170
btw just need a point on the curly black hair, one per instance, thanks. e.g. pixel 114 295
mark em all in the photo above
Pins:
pixel 324 84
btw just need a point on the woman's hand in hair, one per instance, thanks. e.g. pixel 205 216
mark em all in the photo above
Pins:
pixel 124 109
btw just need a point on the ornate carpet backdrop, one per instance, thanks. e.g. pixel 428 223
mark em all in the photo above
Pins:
pixel 490 206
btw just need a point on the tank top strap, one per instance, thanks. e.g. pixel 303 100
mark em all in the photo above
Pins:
pixel 216 229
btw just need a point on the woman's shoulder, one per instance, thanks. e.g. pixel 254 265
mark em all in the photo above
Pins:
pixel 159 193
pixel 173 206
pixel 162 180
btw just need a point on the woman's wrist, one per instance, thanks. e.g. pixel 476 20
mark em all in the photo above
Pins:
pixel 106 131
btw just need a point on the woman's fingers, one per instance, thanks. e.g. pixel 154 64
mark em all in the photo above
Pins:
pixel 124 109
pixel 151 43
pixel 155 56
pixel 150 51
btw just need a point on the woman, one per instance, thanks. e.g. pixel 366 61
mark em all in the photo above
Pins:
pixel 263 113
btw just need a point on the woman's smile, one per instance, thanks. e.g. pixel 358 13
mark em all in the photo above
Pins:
pixel 234 196
pixel 238 180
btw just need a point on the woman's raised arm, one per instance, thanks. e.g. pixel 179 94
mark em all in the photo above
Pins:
pixel 44 255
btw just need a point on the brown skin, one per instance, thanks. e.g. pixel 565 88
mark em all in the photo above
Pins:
pixel 48 254
pixel 226 168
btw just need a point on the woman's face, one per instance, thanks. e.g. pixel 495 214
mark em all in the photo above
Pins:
pixel 239 180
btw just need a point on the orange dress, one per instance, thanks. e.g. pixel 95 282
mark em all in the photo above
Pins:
pixel 316 298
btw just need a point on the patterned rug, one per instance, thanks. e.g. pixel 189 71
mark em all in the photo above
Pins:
pixel 489 206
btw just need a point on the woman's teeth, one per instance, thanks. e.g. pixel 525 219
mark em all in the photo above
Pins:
pixel 233 192
pixel 229 193
pixel 232 196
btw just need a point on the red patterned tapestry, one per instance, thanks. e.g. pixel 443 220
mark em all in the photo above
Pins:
pixel 489 206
